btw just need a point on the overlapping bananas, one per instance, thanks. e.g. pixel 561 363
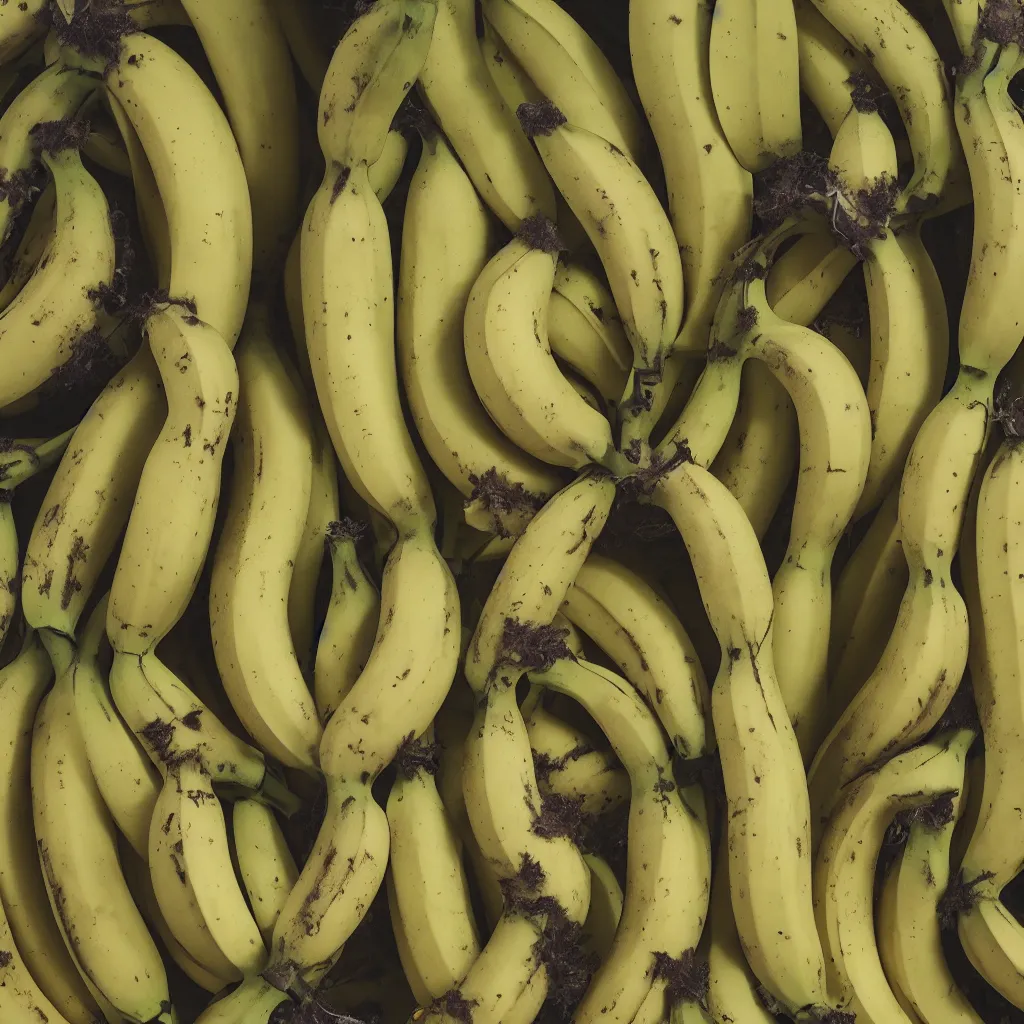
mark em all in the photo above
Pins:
pixel 511 511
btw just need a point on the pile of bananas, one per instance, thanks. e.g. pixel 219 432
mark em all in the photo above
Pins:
pixel 511 510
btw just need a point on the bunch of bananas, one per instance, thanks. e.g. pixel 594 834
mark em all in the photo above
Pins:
pixel 511 510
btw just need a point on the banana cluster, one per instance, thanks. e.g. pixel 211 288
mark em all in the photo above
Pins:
pixel 511 511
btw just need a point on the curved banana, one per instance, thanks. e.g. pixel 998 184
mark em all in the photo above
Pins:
pixel 445 242
pixel 35 244
pixel 202 183
pixel 56 93
pixel 249 56
pixel 568 67
pixel 253 1000
pixel 10 564
pixel 914 74
pixel 844 867
pixel 124 776
pixel 537 575
pixel 89 498
pixel 509 355
pixel 20 25
pixel 768 810
pixel 252 567
pixel 41 970
pixel 640 632
pixel 57 309
pixel 350 625
pixel 480 127
pixel 427 882
pixel 76 839
pixel 669 851
pixel 755 81
pixel 605 913
pixel 309 49
pixel 624 220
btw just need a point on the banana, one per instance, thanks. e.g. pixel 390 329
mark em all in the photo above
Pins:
pixel 845 863
pixel 509 355
pixel 56 93
pixel 768 809
pixel 40 970
pixel 709 192
pixel 445 241
pixel 347 306
pixel 124 776
pixel 482 130
pixel 249 56
pixel 755 82
pixel 914 74
pixel 865 606
pixel 20 25
pixel 629 229
pixel 427 886
pixel 163 553
pixel 605 913
pixel 991 939
pixel 265 863
pixel 309 49
pixel 371 70
pixel 569 69
pixel 88 502
pixel 252 566
pixel 350 625
pixel 640 632
pixel 55 313
pixel 35 244
pixel 76 837
pixel 669 849
pixel 322 511
pixel 910 943
pixel 207 859
pixel 886 935
pixel 925 655
pixel 537 575
pixel 23 458
pixel 199 173
pixel 253 1000
pixel 963 16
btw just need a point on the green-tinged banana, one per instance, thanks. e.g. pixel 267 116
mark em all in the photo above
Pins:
pixel 252 566
pixel 36 243
pixel 265 863
pixel 605 913
pixel 844 868
pixel 173 890
pixel 709 192
pixel 124 776
pixel 371 70
pixel 347 297
pixel 914 74
pixel 90 496
pixel 641 633
pixel 350 625
pixel 309 559
pixel 732 988
pixel 202 183
pixel 479 125
pixel 625 222
pixel 755 81
pixel 77 842
pixel 924 657
pixel 669 849
pixel 249 56
pixel 171 522
pixel 56 311
pixel 992 940
pixel 865 606
pixel 207 859
pixel 56 93
pixel 427 882
pixel 304 34
pixel 907 918
pixel 253 1000
pixel 23 458
pixel 537 574
pixel 445 246
pixel 38 954
pixel 509 356
pixel 768 809
pixel 567 67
